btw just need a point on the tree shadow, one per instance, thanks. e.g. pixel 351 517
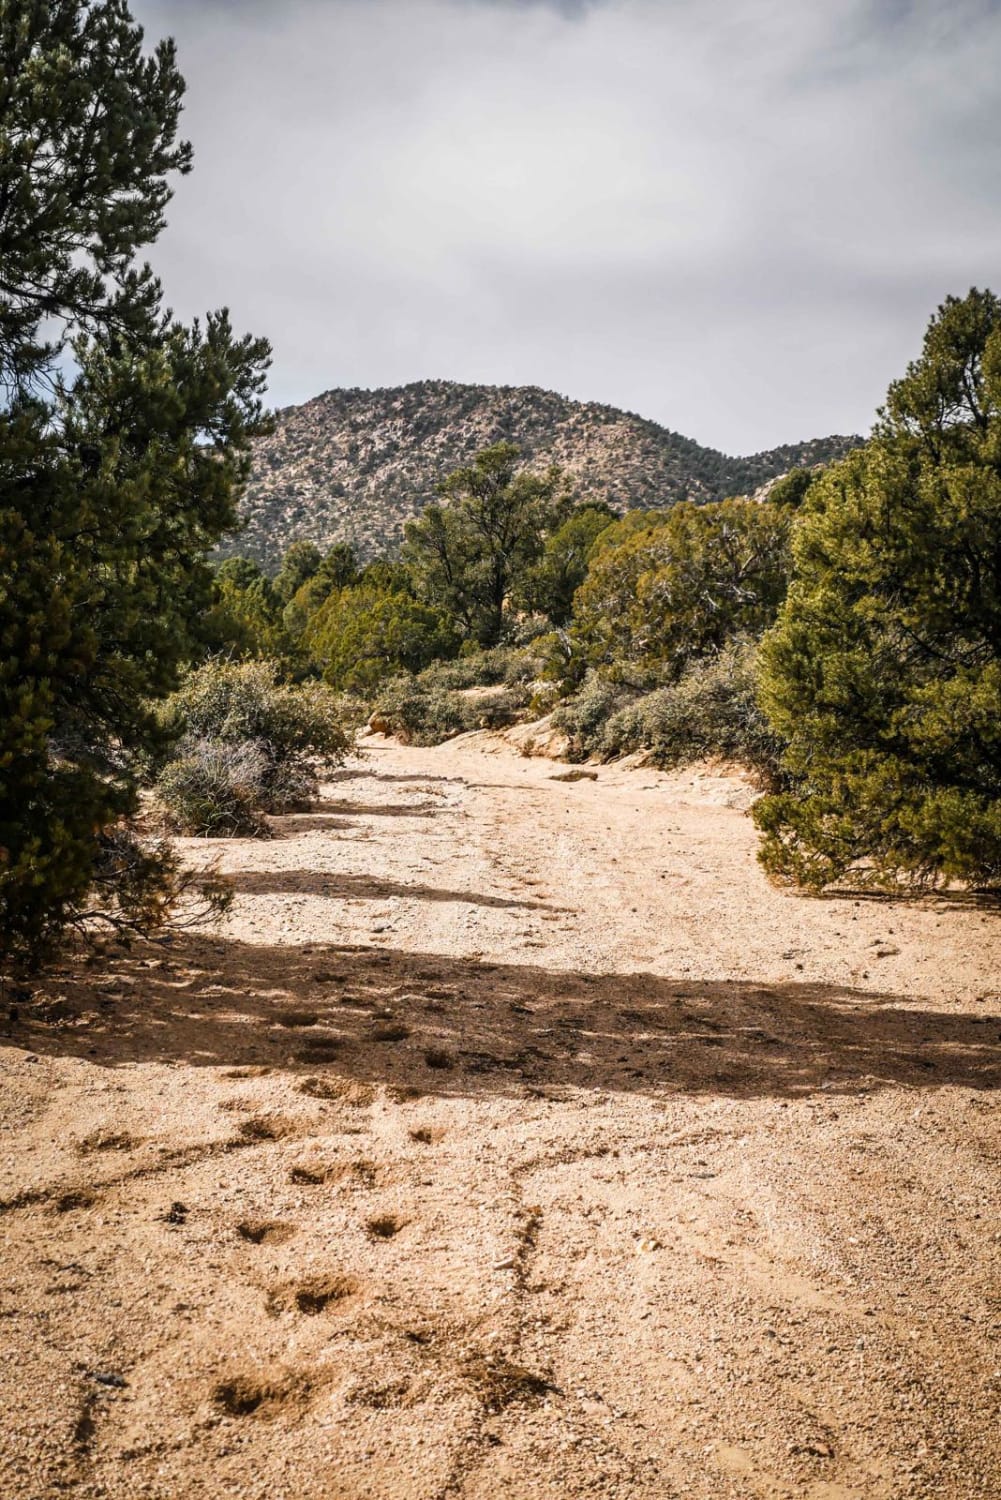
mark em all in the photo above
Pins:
pixel 375 809
pixel 290 825
pixel 336 885
pixel 414 778
pixel 448 1026
pixel 326 816
pixel 957 898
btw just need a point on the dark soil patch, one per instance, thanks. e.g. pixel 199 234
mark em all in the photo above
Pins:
pixel 385 1226
pixel 264 1231
pixel 308 1176
pixel 395 1032
pixel 264 1128
pixel 315 1296
pixel 75 1198
pixel 242 1395
pixel 107 1140
pixel 500 1382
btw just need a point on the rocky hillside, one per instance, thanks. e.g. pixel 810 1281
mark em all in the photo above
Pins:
pixel 354 465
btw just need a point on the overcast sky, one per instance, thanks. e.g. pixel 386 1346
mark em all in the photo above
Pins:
pixel 733 216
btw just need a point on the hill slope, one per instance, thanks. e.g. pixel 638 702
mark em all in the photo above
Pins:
pixel 356 464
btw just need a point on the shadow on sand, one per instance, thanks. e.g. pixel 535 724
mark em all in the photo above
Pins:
pixel 341 887
pixel 461 1027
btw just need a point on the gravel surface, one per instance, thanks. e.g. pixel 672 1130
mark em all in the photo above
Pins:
pixel 513 1137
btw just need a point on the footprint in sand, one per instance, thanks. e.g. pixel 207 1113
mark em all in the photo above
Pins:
pixel 264 1231
pixel 314 1295
pixel 385 1226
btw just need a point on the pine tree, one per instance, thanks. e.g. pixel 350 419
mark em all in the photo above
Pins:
pixel 469 554
pixel 883 672
pixel 678 588
pixel 115 479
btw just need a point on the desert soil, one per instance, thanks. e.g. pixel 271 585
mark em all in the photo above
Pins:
pixel 513 1137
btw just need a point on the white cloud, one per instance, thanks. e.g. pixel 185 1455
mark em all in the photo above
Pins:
pixel 734 216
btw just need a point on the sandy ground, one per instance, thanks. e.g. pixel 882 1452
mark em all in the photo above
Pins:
pixel 513 1137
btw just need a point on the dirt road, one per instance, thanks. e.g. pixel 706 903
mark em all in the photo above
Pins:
pixel 513 1138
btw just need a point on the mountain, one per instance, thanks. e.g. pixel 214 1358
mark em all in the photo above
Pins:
pixel 354 465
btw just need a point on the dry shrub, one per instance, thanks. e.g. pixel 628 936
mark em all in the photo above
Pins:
pixel 246 745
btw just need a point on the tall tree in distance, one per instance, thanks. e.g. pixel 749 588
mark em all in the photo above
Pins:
pixel 549 586
pixel 883 672
pixel 469 553
pixel 118 472
pixel 300 563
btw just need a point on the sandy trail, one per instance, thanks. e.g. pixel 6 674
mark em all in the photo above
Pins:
pixel 514 1137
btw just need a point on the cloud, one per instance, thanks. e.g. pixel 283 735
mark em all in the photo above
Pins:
pixel 734 216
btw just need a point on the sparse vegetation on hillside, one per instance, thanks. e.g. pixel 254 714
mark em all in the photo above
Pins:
pixel 356 465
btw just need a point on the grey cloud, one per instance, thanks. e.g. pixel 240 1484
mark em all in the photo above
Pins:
pixel 732 216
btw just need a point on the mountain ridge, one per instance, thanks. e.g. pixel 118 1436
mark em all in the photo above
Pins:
pixel 355 464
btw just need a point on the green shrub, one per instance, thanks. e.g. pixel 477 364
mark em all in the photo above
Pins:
pixel 584 716
pixel 246 744
pixel 450 698
pixel 508 665
pixel 245 617
pixel 711 711
pixel 498 710
pixel 236 702
pixel 679 590
pixel 883 672
pixel 422 714
pixel 361 636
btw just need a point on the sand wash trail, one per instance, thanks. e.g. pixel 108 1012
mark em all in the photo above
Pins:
pixel 514 1138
